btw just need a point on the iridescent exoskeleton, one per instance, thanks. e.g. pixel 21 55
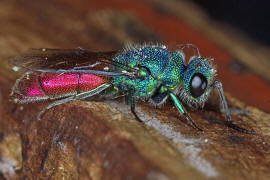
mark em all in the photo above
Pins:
pixel 150 73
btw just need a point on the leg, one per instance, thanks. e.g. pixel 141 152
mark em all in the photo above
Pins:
pixel 130 99
pixel 237 111
pixel 181 109
pixel 79 96
pixel 225 108
pixel 62 101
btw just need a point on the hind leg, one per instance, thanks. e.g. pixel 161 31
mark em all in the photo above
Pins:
pixel 56 103
pixel 79 96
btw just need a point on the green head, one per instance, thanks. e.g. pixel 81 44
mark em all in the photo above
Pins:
pixel 197 81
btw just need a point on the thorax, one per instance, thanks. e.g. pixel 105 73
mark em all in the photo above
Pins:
pixel 166 68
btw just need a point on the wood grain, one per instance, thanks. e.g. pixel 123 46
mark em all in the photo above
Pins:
pixel 102 140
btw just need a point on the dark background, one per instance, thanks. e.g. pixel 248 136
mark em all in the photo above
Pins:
pixel 252 17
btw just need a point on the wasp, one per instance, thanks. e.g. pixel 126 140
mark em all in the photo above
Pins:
pixel 149 73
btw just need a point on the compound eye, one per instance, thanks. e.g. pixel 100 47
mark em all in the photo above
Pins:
pixel 197 85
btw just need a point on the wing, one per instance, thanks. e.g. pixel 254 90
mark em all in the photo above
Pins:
pixel 68 60
pixel 60 58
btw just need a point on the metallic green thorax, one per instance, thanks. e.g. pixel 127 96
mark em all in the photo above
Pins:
pixel 165 68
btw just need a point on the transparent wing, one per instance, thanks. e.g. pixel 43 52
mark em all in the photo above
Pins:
pixel 67 60
pixel 60 58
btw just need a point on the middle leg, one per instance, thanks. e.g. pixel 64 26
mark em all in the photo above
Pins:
pixel 130 99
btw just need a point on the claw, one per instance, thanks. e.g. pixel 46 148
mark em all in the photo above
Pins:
pixel 192 123
pixel 235 127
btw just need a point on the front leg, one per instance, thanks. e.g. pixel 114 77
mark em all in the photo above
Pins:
pixel 182 111
pixel 226 110
pixel 237 111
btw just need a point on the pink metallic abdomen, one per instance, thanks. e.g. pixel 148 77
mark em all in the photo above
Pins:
pixel 35 86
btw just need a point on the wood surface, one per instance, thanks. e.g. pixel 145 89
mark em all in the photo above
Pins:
pixel 102 140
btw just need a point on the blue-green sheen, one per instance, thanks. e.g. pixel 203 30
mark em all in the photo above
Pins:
pixel 150 73
pixel 166 67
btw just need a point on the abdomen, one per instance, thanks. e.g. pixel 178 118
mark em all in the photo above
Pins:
pixel 41 86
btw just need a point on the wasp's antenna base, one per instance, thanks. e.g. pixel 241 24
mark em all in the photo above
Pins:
pixel 196 51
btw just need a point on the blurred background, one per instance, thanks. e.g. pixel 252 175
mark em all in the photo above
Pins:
pixel 250 17
pixel 235 33
pixel 86 140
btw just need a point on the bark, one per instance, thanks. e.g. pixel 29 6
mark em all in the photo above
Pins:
pixel 102 140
